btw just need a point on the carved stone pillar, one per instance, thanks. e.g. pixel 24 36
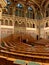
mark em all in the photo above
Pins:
pixel 0 22
pixel 14 9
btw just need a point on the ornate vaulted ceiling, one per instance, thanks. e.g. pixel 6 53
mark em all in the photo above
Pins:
pixel 38 3
pixel 3 3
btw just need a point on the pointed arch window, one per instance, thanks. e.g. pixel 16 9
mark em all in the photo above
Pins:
pixel 19 10
pixel 23 24
pixel 30 13
pixel 46 24
pixel 33 25
pixel 10 22
pixel 8 2
pixel 47 11
pixel 16 24
pixel 6 22
pixel 2 22
pixel 8 8
pixel 27 24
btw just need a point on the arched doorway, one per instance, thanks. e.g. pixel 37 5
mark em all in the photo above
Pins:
pixel 37 37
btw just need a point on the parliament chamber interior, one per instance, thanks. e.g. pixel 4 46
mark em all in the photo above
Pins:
pixel 24 32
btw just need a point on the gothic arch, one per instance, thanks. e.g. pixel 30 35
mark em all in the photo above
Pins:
pixel 46 4
pixel 46 24
pixel 2 22
pixel 20 3
pixel 33 25
pixel 23 24
pixel 6 22
pixel 27 24
pixel 30 12
pixel 16 24
pixel 19 10
pixel 10 22
pixel 34 10
pixel 47 10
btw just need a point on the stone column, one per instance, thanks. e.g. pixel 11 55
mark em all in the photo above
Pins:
pixel 0 22
pixel 14 18
pixel 14 9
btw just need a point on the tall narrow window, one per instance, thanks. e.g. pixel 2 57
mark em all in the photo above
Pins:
pixel 2 22
pixel 16 23
pixel 6 22
pixel 47 11
pixel 46 24
pixel 33 25
pixel 19 10
pixel 8 8
pixel 10 23
pixel 30 13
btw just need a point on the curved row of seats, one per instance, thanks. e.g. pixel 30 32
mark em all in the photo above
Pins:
pixel 20 37
pixel 14 43
pixel 17 43
pixel 12 61
pixel 4 61
pixel 26 38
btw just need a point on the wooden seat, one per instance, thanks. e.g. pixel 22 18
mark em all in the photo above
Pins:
pixel 14 43
pixel 4 61
pixel 32 63
pixel 22 62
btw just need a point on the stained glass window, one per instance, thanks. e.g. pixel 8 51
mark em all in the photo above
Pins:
pixel 19 6
pixel 19 10
pixel 30 13
pixel 30 8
